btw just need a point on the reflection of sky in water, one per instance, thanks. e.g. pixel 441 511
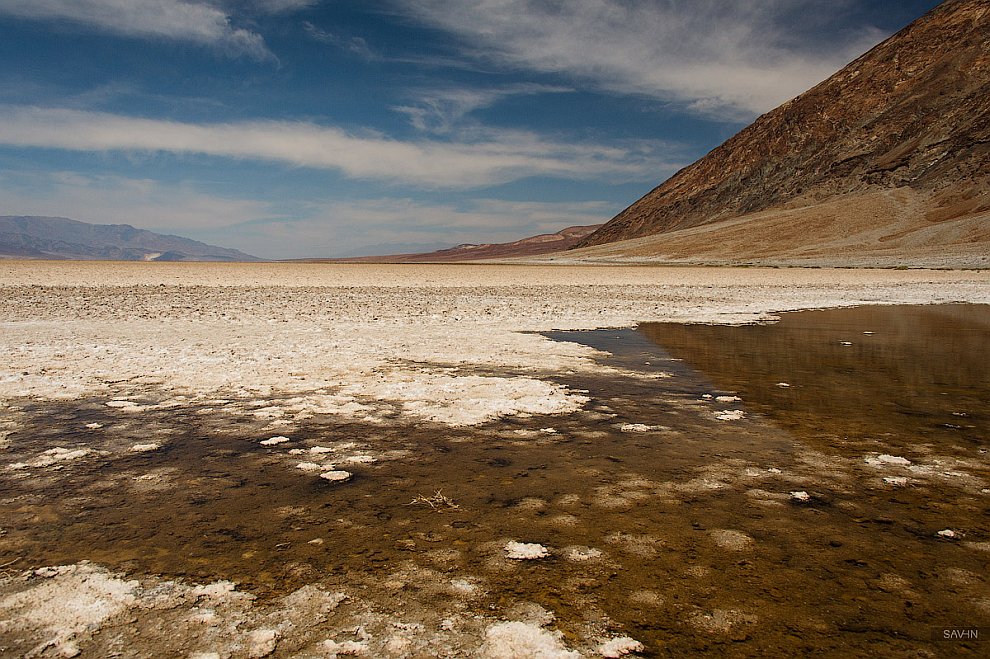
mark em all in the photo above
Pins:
pixel 908 374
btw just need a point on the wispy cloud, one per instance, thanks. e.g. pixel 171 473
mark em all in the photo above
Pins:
pixel 182 20
pixel 280 6
pixel 726 58
pixel 498 158
pixel 439 111
pixel 354 45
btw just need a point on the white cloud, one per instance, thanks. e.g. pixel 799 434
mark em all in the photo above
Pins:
pixel 497 158
pixel 439 111
pixel 728 58
pixel 181 20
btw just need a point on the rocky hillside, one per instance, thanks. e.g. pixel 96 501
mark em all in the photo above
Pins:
pixel 533 246
pixel 61 238
pixel 912 114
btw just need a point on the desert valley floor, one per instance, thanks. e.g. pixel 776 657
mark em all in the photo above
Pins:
pixel 248 460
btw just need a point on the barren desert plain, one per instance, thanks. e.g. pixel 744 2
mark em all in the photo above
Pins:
pixel 312 460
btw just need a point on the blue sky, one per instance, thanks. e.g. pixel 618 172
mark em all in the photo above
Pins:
pixel 291 128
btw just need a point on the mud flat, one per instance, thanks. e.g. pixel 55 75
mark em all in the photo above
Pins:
pixel 317 460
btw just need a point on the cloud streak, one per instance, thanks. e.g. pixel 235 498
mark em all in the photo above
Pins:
pixel 439 111
pixel 180 20
pixel 733 59
pixel 497 158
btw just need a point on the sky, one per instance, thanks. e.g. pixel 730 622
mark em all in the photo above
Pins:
pixel 330 128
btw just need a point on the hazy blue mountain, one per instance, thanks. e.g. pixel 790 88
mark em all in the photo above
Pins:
pixel 34 237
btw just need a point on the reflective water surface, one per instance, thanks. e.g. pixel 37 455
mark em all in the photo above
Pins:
pixel 776 489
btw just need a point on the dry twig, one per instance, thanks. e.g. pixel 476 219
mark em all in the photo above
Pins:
pixel 438 501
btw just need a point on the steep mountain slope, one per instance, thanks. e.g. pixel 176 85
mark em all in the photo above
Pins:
pixel 61 238
pixel 913 114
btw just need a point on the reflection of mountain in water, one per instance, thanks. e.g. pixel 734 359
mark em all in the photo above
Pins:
pixel 866 371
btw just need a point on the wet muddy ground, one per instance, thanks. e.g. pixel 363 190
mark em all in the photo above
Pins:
pixel 817 485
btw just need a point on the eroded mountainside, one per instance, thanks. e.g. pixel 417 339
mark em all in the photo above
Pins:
pixel 914 112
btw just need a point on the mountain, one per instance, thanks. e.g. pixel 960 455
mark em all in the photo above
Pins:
pixel 533 246
pixel 35 237
pixel 890 155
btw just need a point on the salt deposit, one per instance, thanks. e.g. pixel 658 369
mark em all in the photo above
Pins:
pixel 336 476
pixel 620 647
pixel 341 350
pixel 525 551
pixel 522 640
pixel 884 459
pixel 731 539
pixel 638 427
pixel 582 553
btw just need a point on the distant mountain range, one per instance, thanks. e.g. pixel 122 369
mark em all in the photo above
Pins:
pixel 545 243
pixel 32 237
pixel 888 159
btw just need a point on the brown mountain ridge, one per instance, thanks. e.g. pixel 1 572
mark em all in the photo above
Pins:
pixel 890 156
pixel 545 243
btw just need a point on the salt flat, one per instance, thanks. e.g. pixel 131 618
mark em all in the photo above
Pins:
pixel 119 380
pixel 408 334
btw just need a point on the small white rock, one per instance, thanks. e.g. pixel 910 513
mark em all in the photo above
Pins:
pixel 783 385
pixel 143 448
pixel 317 450
pixel 727 399
pixel 947 533
pixel 895 480
pixel 94 426
pixel 800 495
pixel 730 415
pixel 309 466
pixel 336 476
pixel 274 441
